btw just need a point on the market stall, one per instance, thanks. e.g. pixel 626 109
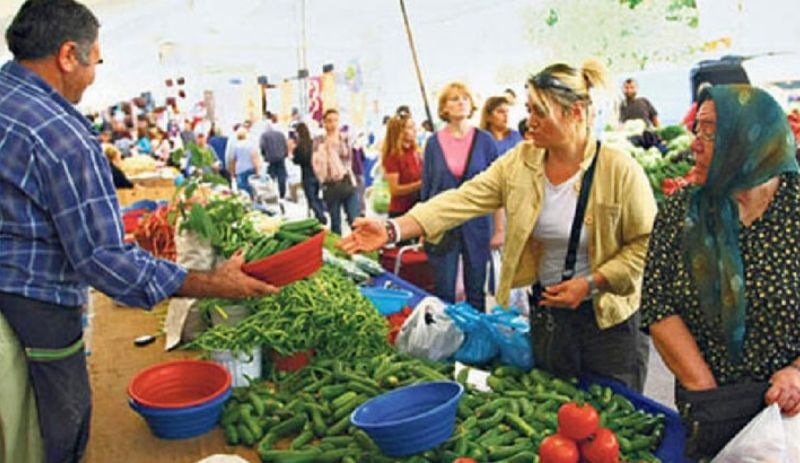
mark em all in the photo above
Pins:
pixel 322 347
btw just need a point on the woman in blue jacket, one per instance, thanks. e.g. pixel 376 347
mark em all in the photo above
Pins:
pixel 455 154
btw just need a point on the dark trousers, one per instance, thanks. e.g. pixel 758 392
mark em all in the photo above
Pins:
pixel 335 205
pixel 242 181
pixel 277 170
pixel 568 342
pixel 311 191
pixel 445 271
pixel 61 387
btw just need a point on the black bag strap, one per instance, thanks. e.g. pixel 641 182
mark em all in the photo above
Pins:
pixel 577 221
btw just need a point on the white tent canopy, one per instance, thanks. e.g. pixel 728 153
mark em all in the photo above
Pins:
pixel 212 43
pixel 209 43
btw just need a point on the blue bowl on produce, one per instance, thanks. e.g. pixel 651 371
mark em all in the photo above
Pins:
pixel 410 419
pixel 387 301
pixel 181 423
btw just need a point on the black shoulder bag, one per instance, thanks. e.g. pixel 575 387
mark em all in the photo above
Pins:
pixel 553 343
pixel 713 417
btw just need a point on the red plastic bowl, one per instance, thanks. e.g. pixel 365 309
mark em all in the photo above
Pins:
pixel 289 265
pixel 179 384
pixel 292 362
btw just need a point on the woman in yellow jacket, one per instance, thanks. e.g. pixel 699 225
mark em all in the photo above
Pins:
pixel 585 316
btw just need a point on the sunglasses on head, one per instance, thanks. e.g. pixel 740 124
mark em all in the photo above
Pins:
pixel 545 81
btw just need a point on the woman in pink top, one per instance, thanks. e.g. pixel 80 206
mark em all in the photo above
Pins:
pixel 455 154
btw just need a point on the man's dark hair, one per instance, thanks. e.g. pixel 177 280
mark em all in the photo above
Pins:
pixel 40 27
pixel 630 80
pixel 329 111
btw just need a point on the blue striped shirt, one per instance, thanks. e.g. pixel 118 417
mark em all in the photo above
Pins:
pixel 60 227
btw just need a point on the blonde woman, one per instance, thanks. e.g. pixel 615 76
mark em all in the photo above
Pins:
pixel 585 313
pixel 454 155
pixel 402 166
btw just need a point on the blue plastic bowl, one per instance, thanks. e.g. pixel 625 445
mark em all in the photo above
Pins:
pixel 147 204
pixel 180 423
pixel 387 301
pixel 410 419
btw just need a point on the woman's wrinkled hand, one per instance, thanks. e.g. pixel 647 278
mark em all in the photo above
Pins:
pixel 567 294
pixel 785 390
pixel 368 235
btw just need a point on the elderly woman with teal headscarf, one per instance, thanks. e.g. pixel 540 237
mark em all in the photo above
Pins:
pixel 721 295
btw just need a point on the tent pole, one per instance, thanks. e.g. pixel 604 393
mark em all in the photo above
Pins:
pixel 416 60
pixel 303 59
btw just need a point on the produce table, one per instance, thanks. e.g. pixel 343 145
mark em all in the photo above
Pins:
pixel 115 360
pixel 671 448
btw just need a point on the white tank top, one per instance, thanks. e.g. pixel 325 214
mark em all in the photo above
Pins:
pixel 553 227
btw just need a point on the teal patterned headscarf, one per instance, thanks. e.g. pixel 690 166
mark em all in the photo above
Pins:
pixel 753 144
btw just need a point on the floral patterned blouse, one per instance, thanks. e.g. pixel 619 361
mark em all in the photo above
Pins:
pixel 770 249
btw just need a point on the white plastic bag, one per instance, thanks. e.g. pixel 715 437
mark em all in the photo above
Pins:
pixel 429 333
pixel 517 298
pixel 791 426
pixel 194 253
pixel 493 267
pixel 763 440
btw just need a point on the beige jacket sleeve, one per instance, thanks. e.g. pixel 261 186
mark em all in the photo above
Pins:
pixel 481 195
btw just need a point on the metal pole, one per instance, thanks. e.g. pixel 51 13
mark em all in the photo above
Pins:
pixel 303 59
pixel 416 60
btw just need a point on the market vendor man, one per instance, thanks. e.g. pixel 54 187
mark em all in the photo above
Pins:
pixel 61 232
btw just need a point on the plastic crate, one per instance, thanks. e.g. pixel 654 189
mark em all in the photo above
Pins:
pixel 390 280
pixel 410 263
pixel 672 446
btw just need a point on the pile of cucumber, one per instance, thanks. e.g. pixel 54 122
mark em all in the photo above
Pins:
pixel 305 417
pixel 289 234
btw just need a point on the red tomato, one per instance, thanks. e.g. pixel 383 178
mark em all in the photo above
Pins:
pixel 577 422
pixel 603 447
pixel 464 460
pixel 558 449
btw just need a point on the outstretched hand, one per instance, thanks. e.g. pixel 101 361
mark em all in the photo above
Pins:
pixel 368 235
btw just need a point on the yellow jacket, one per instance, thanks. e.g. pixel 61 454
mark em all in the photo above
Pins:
pixel 619 218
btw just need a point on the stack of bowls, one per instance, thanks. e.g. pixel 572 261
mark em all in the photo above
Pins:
pixel 180 399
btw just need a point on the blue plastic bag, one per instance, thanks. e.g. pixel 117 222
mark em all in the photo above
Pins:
pixel 511 333
pixel 479 345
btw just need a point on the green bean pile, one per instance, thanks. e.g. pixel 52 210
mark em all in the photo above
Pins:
pixel 325 312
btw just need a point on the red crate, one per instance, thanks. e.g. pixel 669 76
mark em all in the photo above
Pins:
pixel 409 263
